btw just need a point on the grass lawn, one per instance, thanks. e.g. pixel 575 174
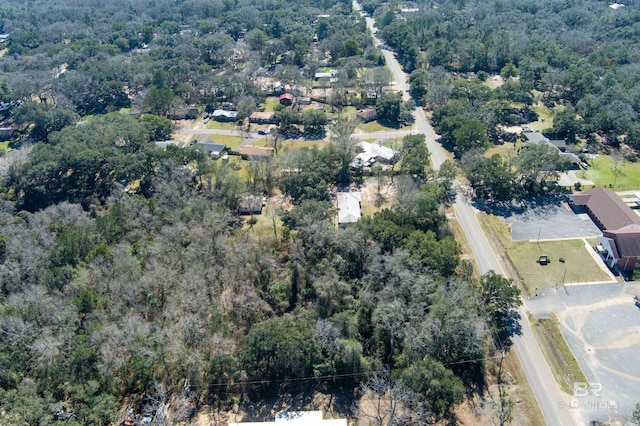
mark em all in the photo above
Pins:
pixel 271 103
pixel 350 110
pixel 601 172
pixel 375 126
pixel 564 365
pixel 545 118
pixel 504 150
pixel 212 124
pixel 232 142
pixel 579 265
pixel 4 146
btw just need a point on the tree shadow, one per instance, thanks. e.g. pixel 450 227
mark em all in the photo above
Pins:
pixel 539 206
pixel 262 403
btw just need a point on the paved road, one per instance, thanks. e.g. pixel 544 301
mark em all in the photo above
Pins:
pixel 255 135
pixel 544 387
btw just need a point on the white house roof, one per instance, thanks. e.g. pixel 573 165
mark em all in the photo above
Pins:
pixel 349 207
pixel 372 152
pixel 224 113
pixel 377 150
pixel 298 418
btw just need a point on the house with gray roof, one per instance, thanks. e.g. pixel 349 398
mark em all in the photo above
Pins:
pixel 214 149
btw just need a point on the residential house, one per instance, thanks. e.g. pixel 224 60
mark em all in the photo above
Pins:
pixel 297 418
pixel 266 117
pixel 367 115
pixel 255 153
pixel 619 245
pixel 165 144
pixel 374 153
pixel 304 100
pixel 214 149
pixel 330 76
pixel 537 138
pixel 250 205
pixel 349 205
pixel 186 113
pixel 224 115
pixel 6 133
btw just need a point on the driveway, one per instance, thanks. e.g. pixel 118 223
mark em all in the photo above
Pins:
pixel 601 324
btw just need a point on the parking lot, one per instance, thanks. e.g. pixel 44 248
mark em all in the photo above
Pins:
pixel 601 324
pixel 550 221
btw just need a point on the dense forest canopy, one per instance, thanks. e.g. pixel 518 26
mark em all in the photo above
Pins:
pixel 125 269
pixel 583 54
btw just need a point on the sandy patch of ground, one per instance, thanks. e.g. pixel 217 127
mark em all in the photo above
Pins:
pixel 377 195
pixel 570 178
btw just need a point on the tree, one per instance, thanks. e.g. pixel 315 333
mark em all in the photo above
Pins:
pixel 566 124
pixel 472 134
pixel 538 164
pixel 280 348
pixel 441 256
pixel 415 156
pixel 45 119
pixel 499 297
pixel 492 178
pixel 636 414
pixel 159 128
pixel 436 386
pixel 158 100
pixel 384 399
pixel 447 174
pixel 392 110
pixel 314 121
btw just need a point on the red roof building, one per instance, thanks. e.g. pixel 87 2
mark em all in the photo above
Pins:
pixel 286 99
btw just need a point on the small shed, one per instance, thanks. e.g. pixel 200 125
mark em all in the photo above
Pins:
pixel 286 99
pixel 250 205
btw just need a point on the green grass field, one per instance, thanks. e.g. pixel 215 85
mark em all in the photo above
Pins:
pixel 232 142
pixel 578 263
pixel 271 103
pixel 504 150
pixel 545 118
pixel 602 173
pixel 564 365
pixel 375 126
pixel 212 124
pixel 578 266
